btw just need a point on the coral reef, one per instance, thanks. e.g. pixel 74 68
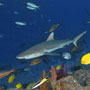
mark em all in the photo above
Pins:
pixel 69 83
pixel 61 74
pixel 59 86
pixel 79 80
pixel 82 76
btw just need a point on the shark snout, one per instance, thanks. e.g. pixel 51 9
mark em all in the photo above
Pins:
pixel 18 57
pixel 29 56
pixel 23 56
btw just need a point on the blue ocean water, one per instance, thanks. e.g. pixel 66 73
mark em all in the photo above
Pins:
pixel 70 13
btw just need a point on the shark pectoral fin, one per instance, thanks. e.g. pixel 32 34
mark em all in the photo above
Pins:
pixel 51 36
pixel 52 54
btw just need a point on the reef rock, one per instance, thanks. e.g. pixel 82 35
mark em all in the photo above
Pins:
pixel 87 88
pixel 69 83
pixel 83 77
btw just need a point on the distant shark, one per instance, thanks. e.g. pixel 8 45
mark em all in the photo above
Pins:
pixel 47 47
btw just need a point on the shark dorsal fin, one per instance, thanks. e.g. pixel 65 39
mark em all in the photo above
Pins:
pixel 51 36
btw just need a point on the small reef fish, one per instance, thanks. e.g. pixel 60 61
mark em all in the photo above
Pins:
pixel 16 12
pixel 26 69
pixel 76 48
pixel 85 59
pixel 35 61
pixel 4 74
pixel 49 20
pixel 1 4
pixel 20 23
pixel 54 27
pixel 58 67
pixel 11 78
pixel 67 55
pixel 88 21
pixel 39 83
pixel 18 86
pixel 21 70
pixel 32 6
pixel 46 32
pixel 1 36
pixel 29 86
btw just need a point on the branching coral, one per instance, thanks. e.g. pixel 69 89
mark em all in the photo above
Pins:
pixel 53 77
pixel 53 73
pixel 56 84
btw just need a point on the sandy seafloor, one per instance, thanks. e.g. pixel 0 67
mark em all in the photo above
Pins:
pixel 70 13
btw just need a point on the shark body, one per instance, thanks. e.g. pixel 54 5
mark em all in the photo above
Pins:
pixel 47 47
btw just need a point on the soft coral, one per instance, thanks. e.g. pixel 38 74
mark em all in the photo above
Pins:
pixel 62 72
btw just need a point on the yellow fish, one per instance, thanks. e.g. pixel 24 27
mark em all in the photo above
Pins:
pixel 85 59
pixel 11 78
pixel 18 86
pixel 39 83
pixel 58 67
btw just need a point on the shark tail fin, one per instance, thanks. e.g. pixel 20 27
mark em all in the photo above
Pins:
pixel 78 37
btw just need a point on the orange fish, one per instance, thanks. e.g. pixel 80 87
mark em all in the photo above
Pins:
pixel 54 27
pixel 4 74
pixel 36 61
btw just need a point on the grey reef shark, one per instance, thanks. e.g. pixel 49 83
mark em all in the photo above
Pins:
pixel 47 47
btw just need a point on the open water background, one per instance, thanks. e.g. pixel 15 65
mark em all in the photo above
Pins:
pixel 70 13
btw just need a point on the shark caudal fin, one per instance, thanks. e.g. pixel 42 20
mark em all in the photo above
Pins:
pixel 78 37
